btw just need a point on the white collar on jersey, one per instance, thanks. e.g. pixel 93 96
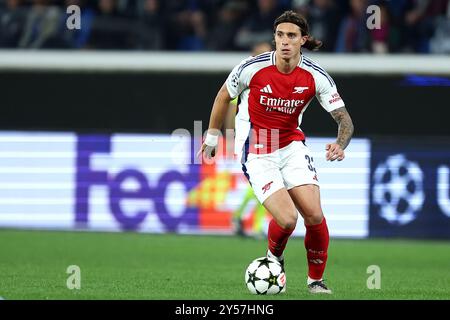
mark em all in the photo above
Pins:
pixel 300 61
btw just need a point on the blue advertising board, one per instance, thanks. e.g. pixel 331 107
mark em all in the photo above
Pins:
pixel 410 194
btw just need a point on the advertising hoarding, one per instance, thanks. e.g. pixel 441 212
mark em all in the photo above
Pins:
pixel 151 183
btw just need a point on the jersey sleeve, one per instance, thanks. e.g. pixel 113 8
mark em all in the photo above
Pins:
pixel 327 94
pixel 237 80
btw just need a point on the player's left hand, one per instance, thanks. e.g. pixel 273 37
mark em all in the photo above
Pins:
pixel 334 152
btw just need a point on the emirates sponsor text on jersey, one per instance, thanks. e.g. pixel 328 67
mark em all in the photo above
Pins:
pixel 282 105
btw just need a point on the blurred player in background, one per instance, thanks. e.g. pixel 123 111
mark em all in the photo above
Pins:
pixel 274 90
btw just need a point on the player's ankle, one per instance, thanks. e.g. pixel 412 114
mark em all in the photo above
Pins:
pixel 311 280
pixel 271 255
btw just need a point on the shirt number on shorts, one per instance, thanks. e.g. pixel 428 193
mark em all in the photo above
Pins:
pixel 310 163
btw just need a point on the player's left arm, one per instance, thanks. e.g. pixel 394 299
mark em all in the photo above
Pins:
pixel 335 151
pixel 331 101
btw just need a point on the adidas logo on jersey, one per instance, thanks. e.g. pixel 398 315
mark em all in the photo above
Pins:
pixel 266 89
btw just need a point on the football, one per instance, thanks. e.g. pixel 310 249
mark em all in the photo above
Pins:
pixel 265 276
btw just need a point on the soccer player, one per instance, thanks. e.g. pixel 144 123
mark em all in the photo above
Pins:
pixel 275 88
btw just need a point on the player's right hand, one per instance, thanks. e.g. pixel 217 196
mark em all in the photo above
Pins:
pixel 210 143
pixel 209 151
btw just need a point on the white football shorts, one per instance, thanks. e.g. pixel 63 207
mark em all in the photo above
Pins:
pixel 287 167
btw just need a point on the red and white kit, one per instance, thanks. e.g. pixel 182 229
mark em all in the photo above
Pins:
pixel 267 124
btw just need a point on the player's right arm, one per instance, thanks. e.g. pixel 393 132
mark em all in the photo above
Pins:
pixel 218 113
pixel 236 82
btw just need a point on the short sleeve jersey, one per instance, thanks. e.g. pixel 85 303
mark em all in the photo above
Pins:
pixel 272 103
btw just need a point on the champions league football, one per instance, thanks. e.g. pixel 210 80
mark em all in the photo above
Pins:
pixel 265 276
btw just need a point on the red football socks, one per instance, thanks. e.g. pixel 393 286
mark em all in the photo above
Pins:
pixel 316 244
pixel 277 238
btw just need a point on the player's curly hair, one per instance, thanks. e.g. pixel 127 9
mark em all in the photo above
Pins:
pixel 297 19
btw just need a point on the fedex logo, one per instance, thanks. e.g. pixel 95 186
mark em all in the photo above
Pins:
pixel 151 190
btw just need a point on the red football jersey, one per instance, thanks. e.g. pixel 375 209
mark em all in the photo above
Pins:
pixel 271 103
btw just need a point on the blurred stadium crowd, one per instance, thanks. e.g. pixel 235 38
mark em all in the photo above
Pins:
pixel 421 26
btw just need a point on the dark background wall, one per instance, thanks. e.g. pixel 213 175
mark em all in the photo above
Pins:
pixel 162 102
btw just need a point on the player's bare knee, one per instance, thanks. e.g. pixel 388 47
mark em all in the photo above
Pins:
pixel 289 221
pixel 313 218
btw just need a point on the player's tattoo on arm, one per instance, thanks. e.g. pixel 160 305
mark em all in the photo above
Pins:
pixel 345 131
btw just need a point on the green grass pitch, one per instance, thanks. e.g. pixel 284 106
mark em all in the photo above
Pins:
pixel 33 265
